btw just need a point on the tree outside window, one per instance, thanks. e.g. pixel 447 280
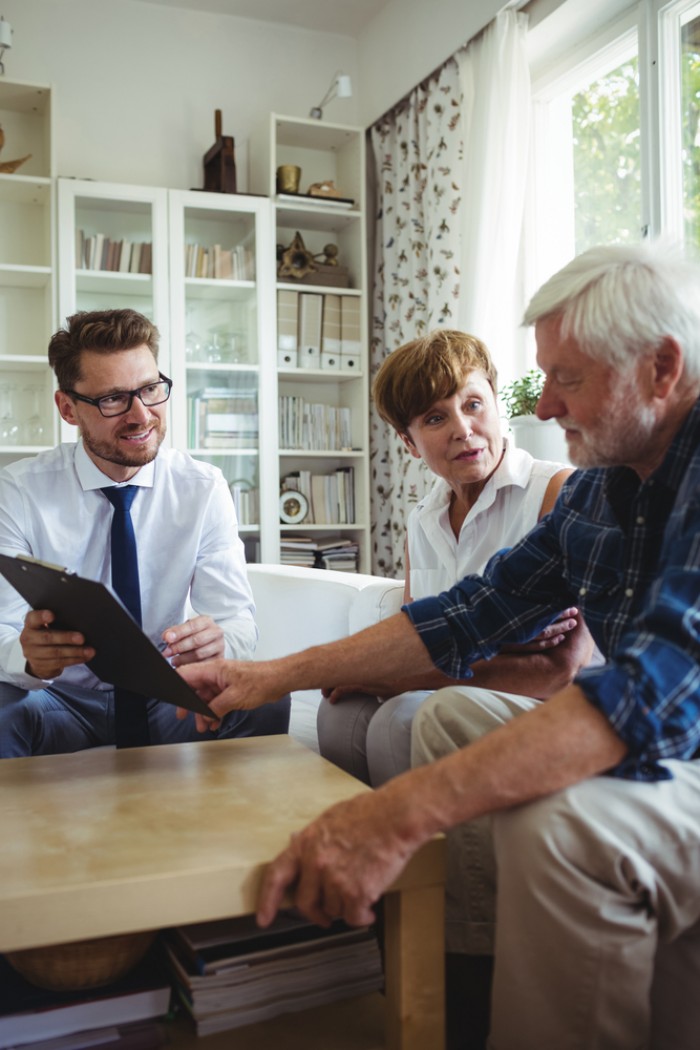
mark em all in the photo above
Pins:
pixel 690 128
pixel 606 158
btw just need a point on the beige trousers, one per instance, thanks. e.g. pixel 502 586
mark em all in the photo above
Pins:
pixel 449 720
pixel 598 911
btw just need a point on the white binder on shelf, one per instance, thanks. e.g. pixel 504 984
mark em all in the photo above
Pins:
pixel 310 328
pixel 350 334
pixel 287 328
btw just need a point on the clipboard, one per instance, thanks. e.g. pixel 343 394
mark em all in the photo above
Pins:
pixel 124 655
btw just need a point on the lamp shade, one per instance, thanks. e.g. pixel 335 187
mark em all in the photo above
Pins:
pixel 5 34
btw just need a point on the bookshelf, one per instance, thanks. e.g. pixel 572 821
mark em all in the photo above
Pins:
pixel 310 370
pixel 208 280
pixel 27 269
pixel 221 334
pixel 191 262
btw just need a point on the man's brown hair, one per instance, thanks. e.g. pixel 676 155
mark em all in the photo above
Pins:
pixel 102 331
pixel 419 373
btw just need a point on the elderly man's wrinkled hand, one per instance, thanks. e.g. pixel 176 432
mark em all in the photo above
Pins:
pixel 228 685
pixel 338 866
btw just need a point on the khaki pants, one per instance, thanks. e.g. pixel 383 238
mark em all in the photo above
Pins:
pixel 598 904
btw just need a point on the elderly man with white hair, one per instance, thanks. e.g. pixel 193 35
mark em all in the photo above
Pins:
pixel 595 795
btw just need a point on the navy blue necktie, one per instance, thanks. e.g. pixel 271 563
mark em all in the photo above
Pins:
pixel 130 713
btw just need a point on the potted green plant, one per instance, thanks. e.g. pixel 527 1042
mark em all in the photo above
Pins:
pixel 543 439
pixel 521 396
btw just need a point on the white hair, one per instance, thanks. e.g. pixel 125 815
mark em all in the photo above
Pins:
pixel 617 301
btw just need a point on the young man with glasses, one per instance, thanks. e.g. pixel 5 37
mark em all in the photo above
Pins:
pixel 54 507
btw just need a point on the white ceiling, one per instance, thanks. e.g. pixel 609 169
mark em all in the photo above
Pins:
pixel 348 17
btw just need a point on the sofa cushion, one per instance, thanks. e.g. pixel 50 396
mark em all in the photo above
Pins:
pixel 297 607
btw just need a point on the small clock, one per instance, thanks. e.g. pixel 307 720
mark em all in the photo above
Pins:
pixel 294 507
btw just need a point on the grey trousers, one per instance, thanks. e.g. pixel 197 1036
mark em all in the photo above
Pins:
pixel 598 905
pixel 368 738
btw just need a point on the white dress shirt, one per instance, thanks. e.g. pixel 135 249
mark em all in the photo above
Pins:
pixel 189 550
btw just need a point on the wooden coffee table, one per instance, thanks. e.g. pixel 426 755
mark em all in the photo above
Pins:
pixel 104 841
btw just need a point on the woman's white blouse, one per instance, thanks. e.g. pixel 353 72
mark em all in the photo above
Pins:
pixel 508 507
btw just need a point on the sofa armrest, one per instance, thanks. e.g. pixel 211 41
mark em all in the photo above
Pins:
pixel 297 607
pixel 377 601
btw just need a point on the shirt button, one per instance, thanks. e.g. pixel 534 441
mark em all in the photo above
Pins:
pixel 629 592
pixel 582 591
pixel 641 519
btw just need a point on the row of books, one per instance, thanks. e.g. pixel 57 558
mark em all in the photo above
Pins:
pixel 246 500
pixel 232 264
pixel 223 417
pixel 305 425
pixel 323 553
pixel 331 497
pixel 317 330
pixel 230 973
pixel 99 252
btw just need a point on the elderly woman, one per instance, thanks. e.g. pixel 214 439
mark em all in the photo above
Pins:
pixel 439 394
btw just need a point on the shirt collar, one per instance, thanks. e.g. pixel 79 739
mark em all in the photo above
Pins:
pixel 621 483
pixel 91 477
pixel 682 448
pixel 514 469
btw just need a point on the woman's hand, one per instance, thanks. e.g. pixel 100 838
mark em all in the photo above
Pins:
pixel 553 634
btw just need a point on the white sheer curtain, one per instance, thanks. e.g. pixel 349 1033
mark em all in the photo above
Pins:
pixel 496 107
pixel 450 166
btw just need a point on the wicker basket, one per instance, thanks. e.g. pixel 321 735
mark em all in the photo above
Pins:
pixel 82 964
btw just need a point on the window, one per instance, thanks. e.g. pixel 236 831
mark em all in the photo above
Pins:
pixel 606 158
pixel 678 28
pixel 587 170
pixel 615 149
pixel 690 122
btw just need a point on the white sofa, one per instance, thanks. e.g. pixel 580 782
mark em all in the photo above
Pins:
pixel 298 607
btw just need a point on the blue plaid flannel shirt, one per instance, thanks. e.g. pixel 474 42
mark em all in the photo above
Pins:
pixel 627 553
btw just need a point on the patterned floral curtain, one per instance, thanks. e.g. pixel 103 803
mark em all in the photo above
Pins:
pixel 417 152
pixel 449 171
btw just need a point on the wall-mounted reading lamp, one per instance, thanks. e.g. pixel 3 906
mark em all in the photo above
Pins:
pixel 341 87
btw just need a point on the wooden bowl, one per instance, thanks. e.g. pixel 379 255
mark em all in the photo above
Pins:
pixel 82 964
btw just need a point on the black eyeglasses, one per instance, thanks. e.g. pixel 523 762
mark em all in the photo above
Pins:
pixel 120 403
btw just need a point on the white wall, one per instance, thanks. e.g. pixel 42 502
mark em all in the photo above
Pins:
pixel 136 85
pixel 409 39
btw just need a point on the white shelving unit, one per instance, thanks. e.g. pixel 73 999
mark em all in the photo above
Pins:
pixel 218 323
pixel 116 213
pixel 27 265
pixel 324 152
pixel 213 328
pixel 222 343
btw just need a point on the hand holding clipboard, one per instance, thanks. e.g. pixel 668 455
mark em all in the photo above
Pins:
pixel 124 655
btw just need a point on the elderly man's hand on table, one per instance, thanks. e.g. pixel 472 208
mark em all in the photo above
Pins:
pixel 339 865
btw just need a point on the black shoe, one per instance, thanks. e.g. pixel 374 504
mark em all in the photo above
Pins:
pixel 467 1000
